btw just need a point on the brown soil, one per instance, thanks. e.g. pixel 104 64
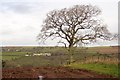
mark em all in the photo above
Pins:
pixel 50 72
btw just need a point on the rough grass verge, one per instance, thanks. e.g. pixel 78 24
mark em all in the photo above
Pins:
pixel 101 68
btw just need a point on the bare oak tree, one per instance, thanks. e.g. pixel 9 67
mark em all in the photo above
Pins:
pixel 76 25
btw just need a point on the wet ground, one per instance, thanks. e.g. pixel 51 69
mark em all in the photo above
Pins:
pixel 50 72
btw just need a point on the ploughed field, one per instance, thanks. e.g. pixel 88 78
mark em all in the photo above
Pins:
pixel 50 72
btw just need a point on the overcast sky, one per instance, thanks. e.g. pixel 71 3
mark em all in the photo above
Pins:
pixel 21 20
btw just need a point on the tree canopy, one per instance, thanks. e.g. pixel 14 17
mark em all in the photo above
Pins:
pixel 74 26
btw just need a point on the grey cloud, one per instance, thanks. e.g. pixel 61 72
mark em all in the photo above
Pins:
pixel 18 7
pixel 26 7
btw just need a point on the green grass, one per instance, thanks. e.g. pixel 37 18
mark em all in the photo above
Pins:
pixel 28 61
pixel 101 68
pixel 12 55
pixel 34 61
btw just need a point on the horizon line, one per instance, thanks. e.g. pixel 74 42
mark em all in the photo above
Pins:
pixel 52 45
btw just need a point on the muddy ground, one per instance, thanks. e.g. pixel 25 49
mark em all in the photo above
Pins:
pixel 50 72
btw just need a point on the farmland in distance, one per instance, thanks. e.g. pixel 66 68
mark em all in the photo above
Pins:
pixel 87 62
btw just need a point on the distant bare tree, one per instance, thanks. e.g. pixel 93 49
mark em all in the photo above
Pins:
pixel 76 25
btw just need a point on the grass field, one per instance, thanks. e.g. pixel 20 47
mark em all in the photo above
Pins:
pixel 102 60
pixel 100 68
pixel 12 55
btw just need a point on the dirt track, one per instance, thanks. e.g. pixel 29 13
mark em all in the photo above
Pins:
pixel 50 72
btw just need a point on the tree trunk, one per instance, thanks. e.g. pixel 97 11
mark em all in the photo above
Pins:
pixel 71 52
